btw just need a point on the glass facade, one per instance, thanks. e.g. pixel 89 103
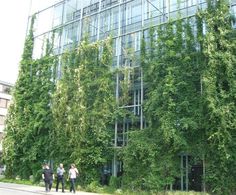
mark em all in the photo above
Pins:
pixel 125 20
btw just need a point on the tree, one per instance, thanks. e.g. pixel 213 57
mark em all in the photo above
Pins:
pixel 84 104
pixel 219 97
pixel 29 119
pixel 190 101
pixel 19 113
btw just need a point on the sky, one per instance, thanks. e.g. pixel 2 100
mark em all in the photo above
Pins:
pixel 13 20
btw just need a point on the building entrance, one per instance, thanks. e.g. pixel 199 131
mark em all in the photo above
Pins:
pixel 191 174
pixel 195 177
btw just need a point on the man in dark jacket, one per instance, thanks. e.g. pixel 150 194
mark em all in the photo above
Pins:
pixel 47 177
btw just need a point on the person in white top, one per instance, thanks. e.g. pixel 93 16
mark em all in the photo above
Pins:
pixel 73 173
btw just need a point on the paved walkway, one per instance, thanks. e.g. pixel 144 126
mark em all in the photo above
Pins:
pixel 12 189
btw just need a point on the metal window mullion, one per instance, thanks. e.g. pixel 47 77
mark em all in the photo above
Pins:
pixel 186 172
pixel 141 108
pixel 80 24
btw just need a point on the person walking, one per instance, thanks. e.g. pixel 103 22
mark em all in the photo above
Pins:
pixel 60 177
pixel 48 177
pixel 73 172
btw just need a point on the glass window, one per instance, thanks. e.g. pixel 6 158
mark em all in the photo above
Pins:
pixel 3 103
pixel 2 119
pixel 43 21
pixel 116 47
pixel 153 8
pixel 8 103
pixel 104 21
pixel 86 11
pixel 58 13
pixel 173 5
pixel 85 26
pixel 132 41
pixel 109 20
pixel 182 4
pixel 192 9
pixel 56 41
pixel 71 33
pixel 192 2
pixel 115 18
pixel 204 28
pixel 94 25
pixel 70 10
pixel 94 7
pixel 137 41
pixel 6 89
pixel 136 12
pixel 234 14
pixel 146 10
pixel 38 46
pixel 131 13
pixel 128 14
pixel 108 3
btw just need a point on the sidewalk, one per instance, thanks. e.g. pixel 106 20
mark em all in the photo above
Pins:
pixel 39 190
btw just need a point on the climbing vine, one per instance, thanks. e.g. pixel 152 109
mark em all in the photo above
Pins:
pixel 219 97
pixel 29 119
pixel 188 68
pixel 189 78
pixel 83 107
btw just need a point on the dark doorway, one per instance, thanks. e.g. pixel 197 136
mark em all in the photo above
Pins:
pixel 105 174
pixel 195 178
pixel 191 174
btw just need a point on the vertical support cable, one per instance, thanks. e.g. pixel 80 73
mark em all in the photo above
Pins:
pixel 80 24
pixel 27 27
pixel 141 105
pixel 181 172
pixel 99 16
pixel 117 89
pixel 141 71
pixel 186 172
pixel 203 158
pixel 168 10
pixel 60 49
pixel 116 124
pixel 204 173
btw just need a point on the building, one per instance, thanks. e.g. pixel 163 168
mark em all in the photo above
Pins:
pixel 125 20
pixel 5 99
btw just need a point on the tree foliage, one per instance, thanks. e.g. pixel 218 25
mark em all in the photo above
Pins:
pixel 189 76
pixel 219 96
pixel 83 109
pixel 29 119
pixel 188 68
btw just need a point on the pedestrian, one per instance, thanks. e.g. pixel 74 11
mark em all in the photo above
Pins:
pixel 73 172
pixel 60 177
pixel 48 177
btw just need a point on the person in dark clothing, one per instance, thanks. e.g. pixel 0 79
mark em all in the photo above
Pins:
pixel 60 177
pixel 47 177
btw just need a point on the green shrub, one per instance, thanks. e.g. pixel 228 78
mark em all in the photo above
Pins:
pixel 93 187
pixel 115 182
